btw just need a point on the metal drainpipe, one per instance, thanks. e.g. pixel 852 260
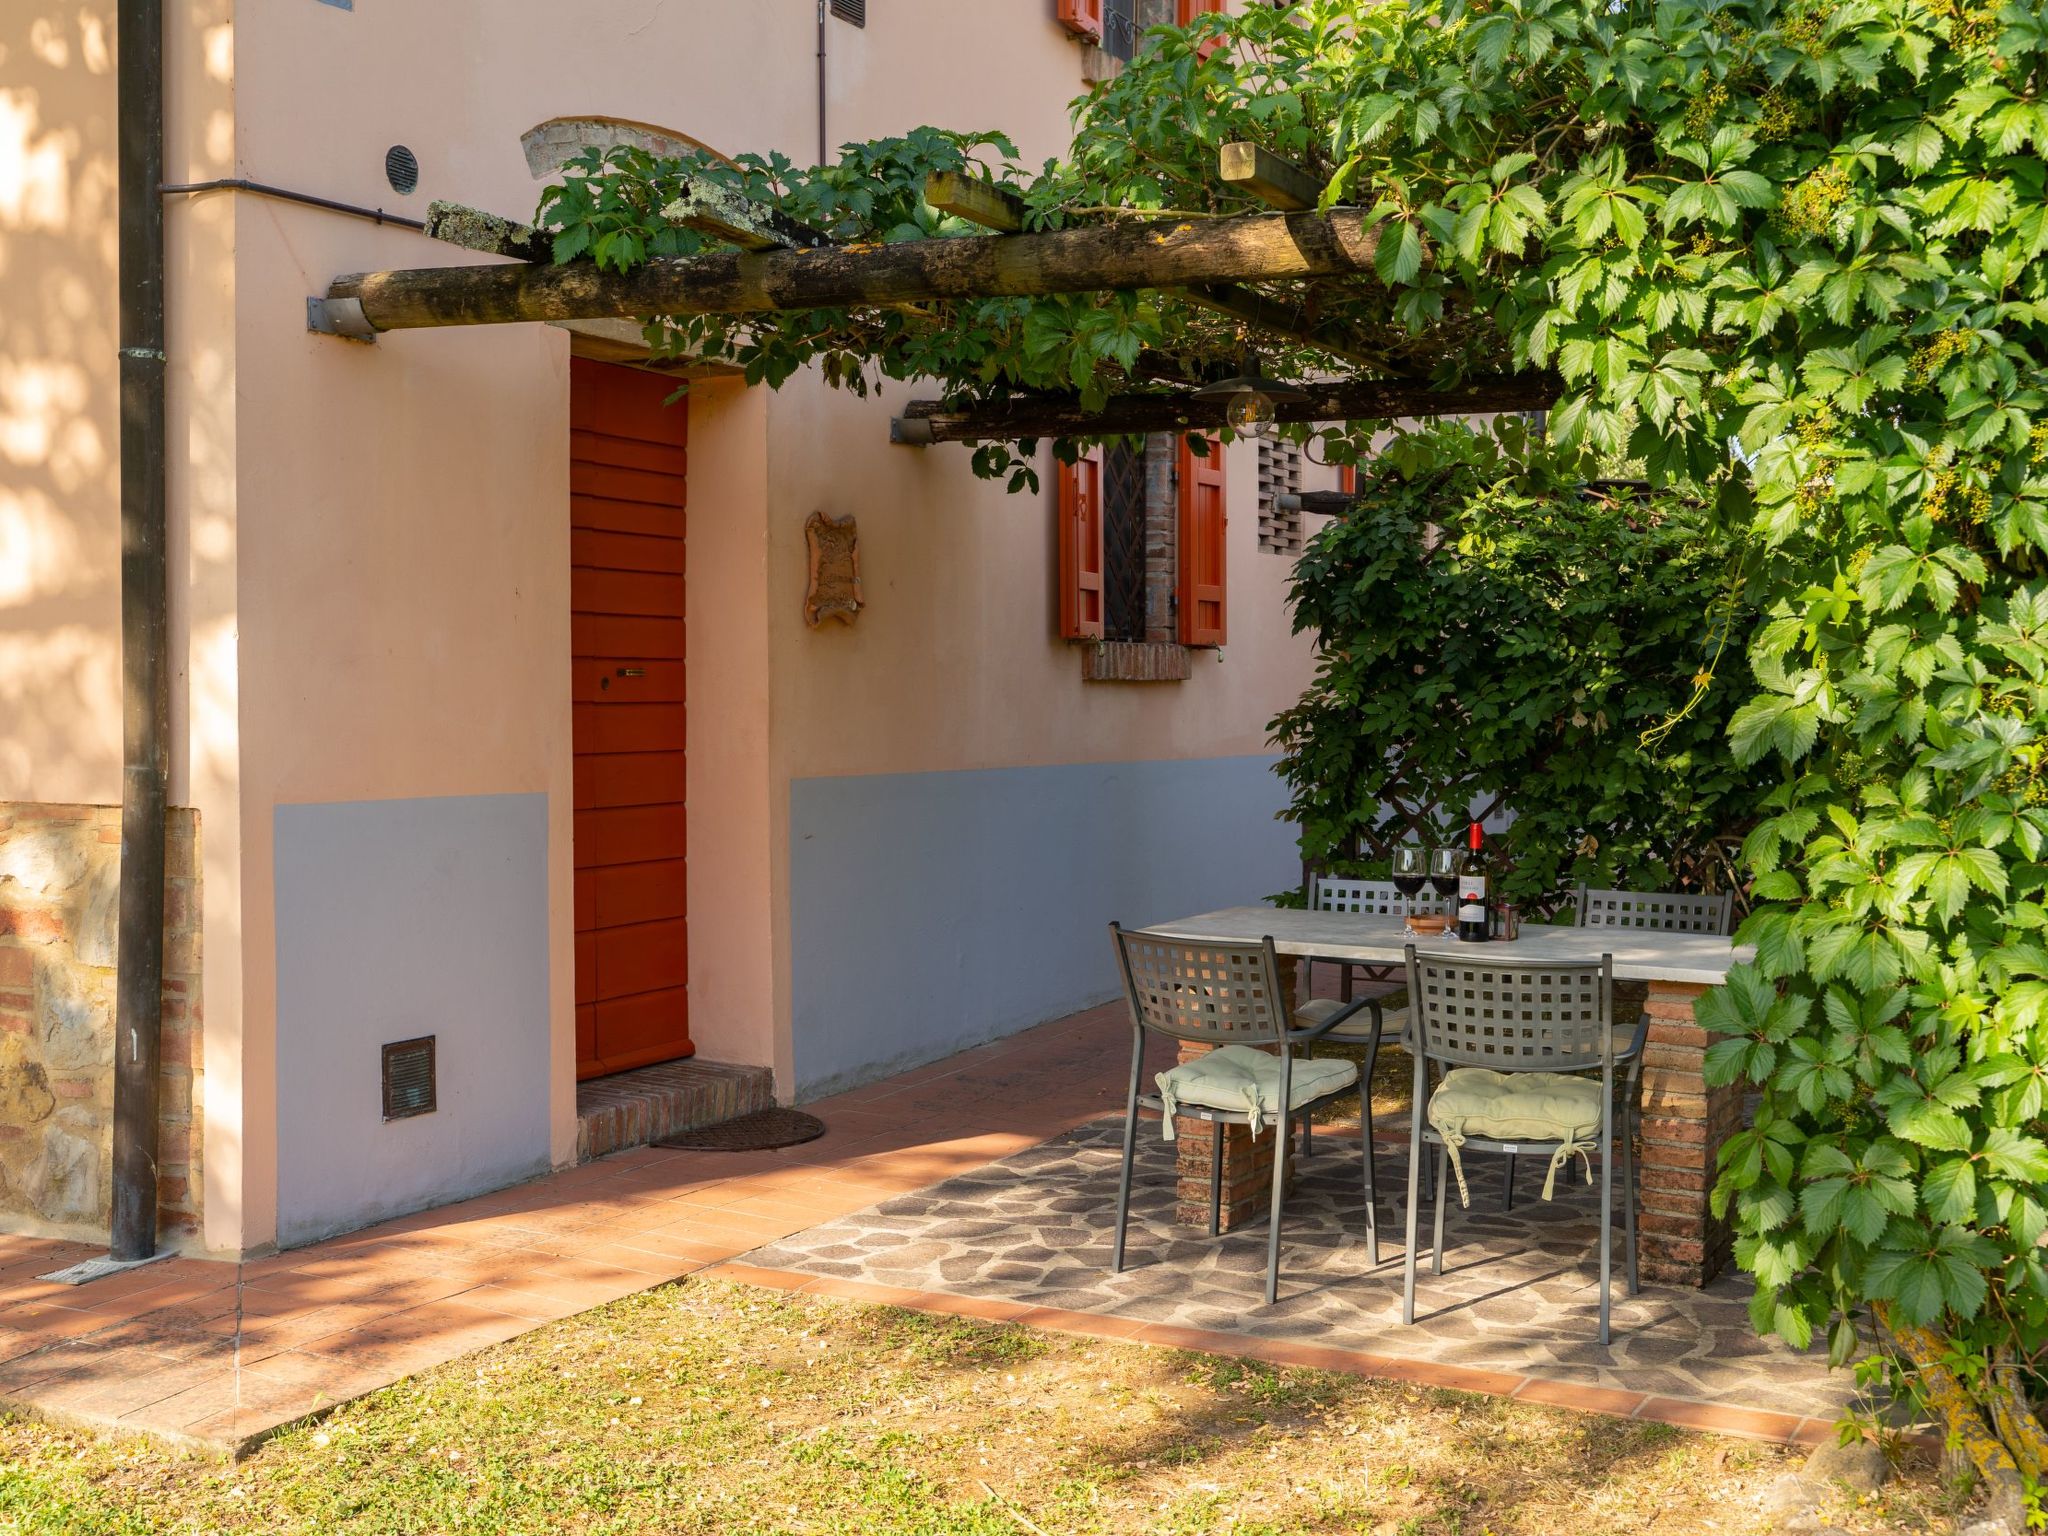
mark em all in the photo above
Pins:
pixel 821 82
pixel 145 628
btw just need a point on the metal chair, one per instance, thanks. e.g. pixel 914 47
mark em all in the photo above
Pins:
pixel 1366 898
pixel 1672 911
pixel 1216 995
pixel 1520 1016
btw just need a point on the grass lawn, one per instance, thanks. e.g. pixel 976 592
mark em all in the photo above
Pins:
pixel 704 1407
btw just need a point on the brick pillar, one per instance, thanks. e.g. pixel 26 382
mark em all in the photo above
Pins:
pixel 1247 1160
pixel 1684 1123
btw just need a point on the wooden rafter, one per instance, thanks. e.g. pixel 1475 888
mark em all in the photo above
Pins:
pixel 730 215
pixel 1165 253
pixel 1267 177
pixel 1353 400
pixel 491 233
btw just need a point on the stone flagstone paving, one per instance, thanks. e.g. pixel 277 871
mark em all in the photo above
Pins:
pixel 1519 1294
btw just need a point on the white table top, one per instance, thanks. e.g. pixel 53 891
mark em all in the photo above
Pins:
pixel 1702 959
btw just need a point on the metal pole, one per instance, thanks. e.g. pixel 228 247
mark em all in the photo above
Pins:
pixel 145 695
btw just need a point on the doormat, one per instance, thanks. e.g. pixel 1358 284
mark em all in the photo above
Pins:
pixel 761 1131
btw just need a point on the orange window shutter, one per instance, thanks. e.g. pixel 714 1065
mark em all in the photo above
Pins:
pixel 1080 535
pixel 1188 10
pixel 1203 523
pixel 1347 479
pixel 1081 17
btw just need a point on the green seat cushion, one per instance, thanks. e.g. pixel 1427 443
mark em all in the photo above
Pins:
pixel 1517 1106
pixel 1246 1079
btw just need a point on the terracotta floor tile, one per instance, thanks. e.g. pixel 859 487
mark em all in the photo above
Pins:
pixel 1750 1423
pixel 533 1306
pixel 555 1275
pixel 121 1309
pixel 447 1319
pixel 873 1294
pixel 1438 1373
pixel 1588 1399
pixel 335 1378
pixel 53 1322
pixel 986 1309
pixel 30 1288
pixel 779 1204
pixel 1096 1325
pixel 750 1274
pixel 1173 1336
pixel 160 1336
pixel 1296 1354
pixel 652 1267
pixel 237 1398
pixel 677 1246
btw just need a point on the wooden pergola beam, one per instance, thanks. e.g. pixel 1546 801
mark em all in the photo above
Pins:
pixel 930 421
pixel 1267 177
pixel 1000 209
pixel 1165 253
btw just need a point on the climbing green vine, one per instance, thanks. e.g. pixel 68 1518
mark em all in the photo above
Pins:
pixel 1787 256
pixel 1491 626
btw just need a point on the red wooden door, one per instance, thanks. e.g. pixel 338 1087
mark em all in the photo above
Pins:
pixel 626 479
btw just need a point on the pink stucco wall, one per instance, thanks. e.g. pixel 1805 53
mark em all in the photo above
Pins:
pixel 373 540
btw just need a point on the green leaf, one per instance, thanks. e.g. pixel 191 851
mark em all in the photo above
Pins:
pixel 1398 258
pixel 1929 1123
pixel 1949 1189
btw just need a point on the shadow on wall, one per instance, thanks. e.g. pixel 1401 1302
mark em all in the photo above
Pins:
pixel 59 399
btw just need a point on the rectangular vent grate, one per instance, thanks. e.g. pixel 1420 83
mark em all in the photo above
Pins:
pixel 409 1078
pixel 855 11
pixel 1279 475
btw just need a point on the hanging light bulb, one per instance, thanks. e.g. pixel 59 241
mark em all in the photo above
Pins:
pixel 1250 411
pixel 1250 398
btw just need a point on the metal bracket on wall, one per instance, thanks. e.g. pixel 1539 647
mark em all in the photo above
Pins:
pixel 339 317
pixel 914 430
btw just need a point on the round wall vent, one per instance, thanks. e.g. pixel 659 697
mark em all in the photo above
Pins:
pixel 401 169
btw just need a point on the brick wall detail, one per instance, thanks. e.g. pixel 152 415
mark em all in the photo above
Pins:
pixel 1136 661
pixel 59 905
pixel 1247 1159
pixel 1683 1126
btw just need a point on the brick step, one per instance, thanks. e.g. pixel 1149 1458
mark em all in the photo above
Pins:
pixel 633 1108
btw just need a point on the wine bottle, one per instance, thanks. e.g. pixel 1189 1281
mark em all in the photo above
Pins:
pixel 1472 925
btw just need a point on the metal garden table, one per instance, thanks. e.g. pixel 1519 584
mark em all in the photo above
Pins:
pixel 1684 1121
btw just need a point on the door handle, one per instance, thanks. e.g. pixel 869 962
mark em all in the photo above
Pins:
pixel 632 672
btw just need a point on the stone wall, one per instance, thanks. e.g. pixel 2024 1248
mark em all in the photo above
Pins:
pixel 59 903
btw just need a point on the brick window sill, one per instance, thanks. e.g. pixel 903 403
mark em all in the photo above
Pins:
pixel 1135 661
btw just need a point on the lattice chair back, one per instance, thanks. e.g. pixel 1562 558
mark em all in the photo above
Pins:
pixel 1373 898
pixel 1670 911
pixel 1510 1016
pixel 1215 994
